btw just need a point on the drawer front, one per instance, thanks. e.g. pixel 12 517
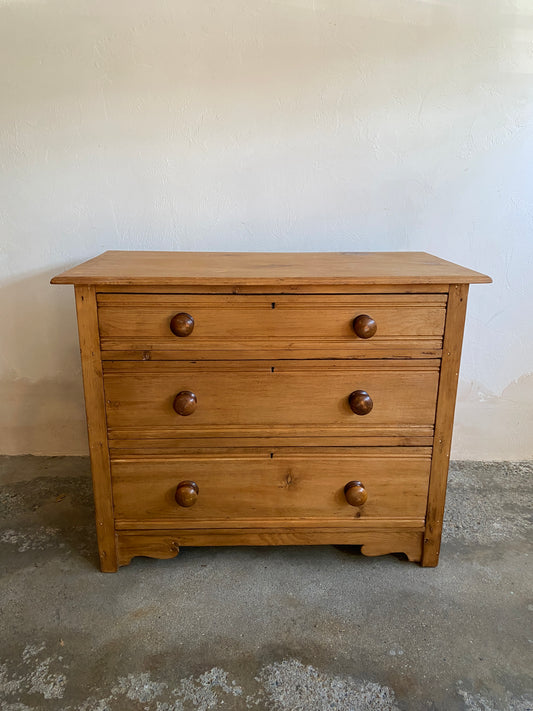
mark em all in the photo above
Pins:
pixel 271 485
pixel 141 326
pixel 275 398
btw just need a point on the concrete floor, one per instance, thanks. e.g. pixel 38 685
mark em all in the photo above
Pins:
pixel 286 629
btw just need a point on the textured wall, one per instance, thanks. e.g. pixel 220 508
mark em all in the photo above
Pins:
pixel 265 125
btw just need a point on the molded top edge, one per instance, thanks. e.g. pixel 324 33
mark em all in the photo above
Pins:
pixel 145 268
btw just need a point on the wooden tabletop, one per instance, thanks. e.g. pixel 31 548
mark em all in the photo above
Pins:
pixel 137 268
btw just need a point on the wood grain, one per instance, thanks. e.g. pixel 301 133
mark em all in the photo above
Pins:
pixel 319 524
pixel 268 349
pixel 285 288
pixel 96 425
pixel 249 268
pixel 418 347
pixel 166 444
pixel 136 325
pixel 165 544
pixel 451 357
pixel 256 485
pixel 162 546
pixel 274 398
pixel 411 545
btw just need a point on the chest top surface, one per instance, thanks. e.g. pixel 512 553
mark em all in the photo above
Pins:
pixel 145 268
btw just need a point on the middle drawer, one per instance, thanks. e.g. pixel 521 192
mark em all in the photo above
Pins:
pixel 348 399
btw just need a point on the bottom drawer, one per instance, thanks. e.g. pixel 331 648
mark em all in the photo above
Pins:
pixel 267 486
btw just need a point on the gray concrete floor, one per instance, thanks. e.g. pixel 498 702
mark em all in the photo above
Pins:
pixel 288 629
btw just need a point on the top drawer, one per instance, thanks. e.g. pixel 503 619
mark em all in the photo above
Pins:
pixel 141 326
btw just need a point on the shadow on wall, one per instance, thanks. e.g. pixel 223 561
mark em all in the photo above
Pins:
pixel 39 412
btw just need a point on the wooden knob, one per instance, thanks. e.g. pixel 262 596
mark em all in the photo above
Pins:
pixel 182 325
pixel 364 326
pixel 185 403
pixel 186 493
pixel 355 493
pixel 360 402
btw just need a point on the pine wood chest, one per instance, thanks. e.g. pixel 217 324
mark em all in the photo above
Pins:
pixel 269 399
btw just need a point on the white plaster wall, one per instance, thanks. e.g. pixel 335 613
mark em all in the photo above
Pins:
pixel 265 125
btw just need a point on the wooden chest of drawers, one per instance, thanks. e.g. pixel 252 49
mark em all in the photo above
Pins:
pixel 261 399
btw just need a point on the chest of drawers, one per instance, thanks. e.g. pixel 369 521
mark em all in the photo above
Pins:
pixel 269 399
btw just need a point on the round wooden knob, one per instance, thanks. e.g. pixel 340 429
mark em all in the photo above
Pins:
pixel 186 493
pixel 360 402
pixel 185 403
pixel 364 326
pixel 355 493
pixel 182 325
